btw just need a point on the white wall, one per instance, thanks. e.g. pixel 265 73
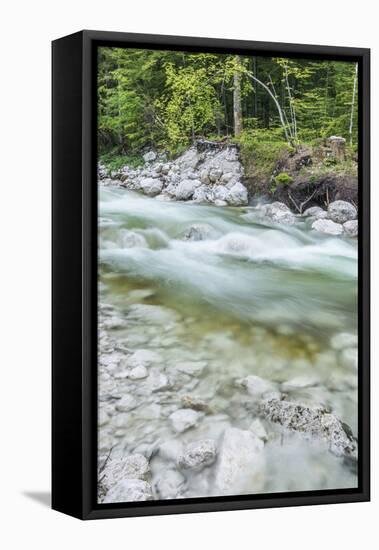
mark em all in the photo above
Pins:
pixel 27 29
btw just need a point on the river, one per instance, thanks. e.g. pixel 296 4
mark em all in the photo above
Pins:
pixel 247 298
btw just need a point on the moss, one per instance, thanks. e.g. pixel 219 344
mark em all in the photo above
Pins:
pixel 283 179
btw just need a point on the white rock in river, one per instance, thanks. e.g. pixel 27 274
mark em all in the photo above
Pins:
pixel 151 186
pixel 341 211
pixel 257 386
pixel 300 383
pixel 192 368
pixel 152 314
pixel 134 466
pixel 197 455
pixel 138 373
pixel 241 464
pixel 278 212
pixel 186 189
pixel 351 228
pixel 315 212
pixel 328 227
pixel 143 358
pixel 184 419
pixel 126 403
pixel 344 340
pixel 312 422
pixel 129 490
pixel 169 484
pixel 131 239
pixel 200 232
pixel 237 195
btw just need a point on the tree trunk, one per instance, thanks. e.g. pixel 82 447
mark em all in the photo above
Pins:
pixel 353 104
pixel 237 104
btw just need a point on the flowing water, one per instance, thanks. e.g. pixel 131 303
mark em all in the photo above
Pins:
pixel 250 297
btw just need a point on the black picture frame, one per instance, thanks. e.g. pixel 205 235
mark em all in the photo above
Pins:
pixel 74 273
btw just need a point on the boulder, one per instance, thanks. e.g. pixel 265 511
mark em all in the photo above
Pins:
pixel 215 174
pixel 186 189
pixel 351 228
pixel 341 211
pixel 151 186
pixel 258 429
pixel 198 455
pixel 184 419
pixel 328 227
pixel 241 464
pixel 278 212
pixel 138 373
pixel 203 194
pixel 237 195
pixel 134 466
pixel 315 212
pixel 199 232
pixel 126 403
pixel 131 239
pixel 129 490
pixel 313 422
pixel 149 156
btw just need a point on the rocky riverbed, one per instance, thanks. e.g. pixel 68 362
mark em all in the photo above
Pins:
pixel 227 339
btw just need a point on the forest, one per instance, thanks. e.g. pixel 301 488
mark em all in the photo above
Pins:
pixel 165 100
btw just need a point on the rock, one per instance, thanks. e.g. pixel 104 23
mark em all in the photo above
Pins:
pixel 258 429
pixel 199 232
pixel 195 403
pixel 184 419
pixel 299 383
pixel 351 228
pixel 257 386
pixel 133 466
pixel 328 227
pixel 237 195
pixel 143 358
pixel 220 193
pixel 278 212
pixel 103 418
pixel 349 358
pixel 315 212
pixel 341 211
pixel 192 368
pixel 312 422
pixel 126 403
pixel 151 314
pixel 344 340
pixel 151 186
pixel 215 174
pixel 198 455
pixel 158 381
pixel 204 178
pixel 186 189
pixel 138 373
pixel 169 484
pixel 203 194
pixel 130 239
pixel 241 463
pixel 150 156
pixel 129 490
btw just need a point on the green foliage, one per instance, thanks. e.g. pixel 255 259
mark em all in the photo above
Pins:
pixel 167 99
pixel 260 151
pixel 283 179
pixel 114 161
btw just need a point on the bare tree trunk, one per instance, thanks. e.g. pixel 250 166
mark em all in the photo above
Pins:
pixel 277 104
pixel 237 104
pixel 292 108
pixel 353 104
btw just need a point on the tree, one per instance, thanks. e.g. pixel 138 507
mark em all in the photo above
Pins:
pixel 237 107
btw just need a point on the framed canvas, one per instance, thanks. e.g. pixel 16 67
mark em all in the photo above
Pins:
pixel 210 275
